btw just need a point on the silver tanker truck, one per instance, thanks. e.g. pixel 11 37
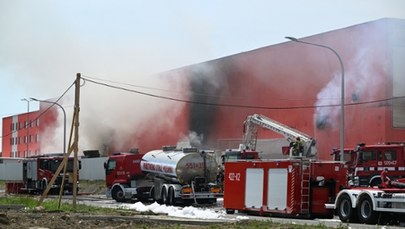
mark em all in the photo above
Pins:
pixel 169 176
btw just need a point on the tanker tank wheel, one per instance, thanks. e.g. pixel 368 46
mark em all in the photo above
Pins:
pixel 118 194
pixel 344 209
pixel 365 211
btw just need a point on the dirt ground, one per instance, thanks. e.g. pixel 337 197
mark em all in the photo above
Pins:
pixel 14 219
pixel 18 218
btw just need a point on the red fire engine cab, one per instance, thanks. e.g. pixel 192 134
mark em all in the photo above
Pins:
pixel 297 187
pixel 366 162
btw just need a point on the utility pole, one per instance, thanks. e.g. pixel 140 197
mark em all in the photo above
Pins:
pixel 76 139
pixel 72 147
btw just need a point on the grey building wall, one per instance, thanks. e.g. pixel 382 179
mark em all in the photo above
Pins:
pixel 92 168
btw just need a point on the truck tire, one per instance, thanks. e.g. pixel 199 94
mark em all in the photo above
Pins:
pixel 44 184
pixel 344 209
pixel 152 194
pixel 164 196
pixel 170 197
pixel 118 194
pixel 375 182
pixel 365 212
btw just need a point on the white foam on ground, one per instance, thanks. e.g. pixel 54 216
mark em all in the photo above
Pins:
pixel 183 212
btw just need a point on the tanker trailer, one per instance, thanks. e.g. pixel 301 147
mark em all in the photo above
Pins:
pixel 181 175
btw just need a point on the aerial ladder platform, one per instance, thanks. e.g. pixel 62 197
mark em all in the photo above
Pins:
pixel 252 122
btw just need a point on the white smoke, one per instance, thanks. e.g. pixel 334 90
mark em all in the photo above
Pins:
pixel 361 82
pixel 191 140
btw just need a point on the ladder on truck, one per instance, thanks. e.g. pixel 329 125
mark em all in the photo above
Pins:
pixel 305 185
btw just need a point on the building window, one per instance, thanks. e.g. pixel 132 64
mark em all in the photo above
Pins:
pixel 38 122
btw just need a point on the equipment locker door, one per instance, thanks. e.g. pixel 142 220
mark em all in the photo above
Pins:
pixel 277 189
pixel 32 170
pixel 254 188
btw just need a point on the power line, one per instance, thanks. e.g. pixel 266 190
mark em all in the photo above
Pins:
pixel 42 113
pixel 194 93
pixel 236 105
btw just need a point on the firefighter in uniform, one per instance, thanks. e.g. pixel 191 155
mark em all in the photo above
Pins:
pixel 385 180
pixel 297 147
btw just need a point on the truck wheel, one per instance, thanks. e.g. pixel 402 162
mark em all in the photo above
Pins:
pixel 164 196
pixel 170 198
pixel 44 183
pixel 365 211
pixel 118 194
pixel 375 182
pixel 152 194
pixel 344 209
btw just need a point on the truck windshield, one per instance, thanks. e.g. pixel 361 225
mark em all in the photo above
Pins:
pixel 111 164
pixel 367 155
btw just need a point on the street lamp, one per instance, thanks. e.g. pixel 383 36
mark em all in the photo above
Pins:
pixel 28 124
pixel 342 92
pixel 64 120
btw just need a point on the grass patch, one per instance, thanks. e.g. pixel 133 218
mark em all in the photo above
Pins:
pixel 50 205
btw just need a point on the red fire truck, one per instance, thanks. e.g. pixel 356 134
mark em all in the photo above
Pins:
pixel 34 173
pixel 366 162
pixel 301 187
pixel 286 187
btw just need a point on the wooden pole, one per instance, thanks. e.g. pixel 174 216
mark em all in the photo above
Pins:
pixel 76 138
pixel 72 148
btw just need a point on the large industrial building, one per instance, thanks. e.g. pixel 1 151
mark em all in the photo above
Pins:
pixel 294 83
pixel 299 85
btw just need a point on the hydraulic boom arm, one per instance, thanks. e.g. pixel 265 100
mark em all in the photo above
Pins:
pixel 250 133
